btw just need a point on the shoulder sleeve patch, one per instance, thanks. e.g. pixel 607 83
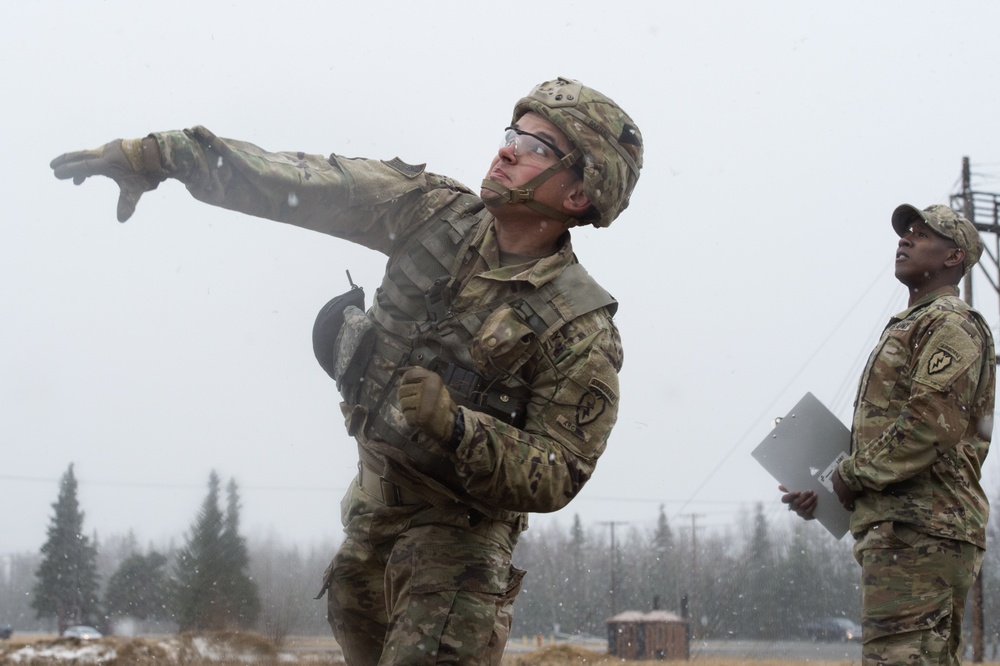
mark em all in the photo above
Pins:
pixel 408 170
pixel 594 401
pixel 939 361
pixel 950 352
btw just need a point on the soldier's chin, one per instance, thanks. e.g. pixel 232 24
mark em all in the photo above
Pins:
pixel 490 198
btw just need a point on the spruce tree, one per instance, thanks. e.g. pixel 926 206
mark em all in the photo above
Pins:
pixel 241 591
pixel 663 577
pixel 66 580
pixel 758 583
pixel 138 588
pixel 212 589
pixel 199 568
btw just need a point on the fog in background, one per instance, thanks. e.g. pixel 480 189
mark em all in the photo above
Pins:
pixel 754 264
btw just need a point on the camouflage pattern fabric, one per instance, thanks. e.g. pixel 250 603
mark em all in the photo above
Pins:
pixel 384 205
pixel 923 421
pixel 610 141
pixel 432 582
pixel 914 588
pixel 421 585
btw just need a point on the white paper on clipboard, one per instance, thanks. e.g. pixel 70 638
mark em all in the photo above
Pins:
pixel 802 453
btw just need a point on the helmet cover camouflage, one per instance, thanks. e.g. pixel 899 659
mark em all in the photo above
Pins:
pixel 610 141
pixel 945 222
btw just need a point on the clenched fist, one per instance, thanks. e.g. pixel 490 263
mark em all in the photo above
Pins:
pixel 426 403
pixel 132 163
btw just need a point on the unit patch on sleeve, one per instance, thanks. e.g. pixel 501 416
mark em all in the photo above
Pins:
pixel 594 401
pixel 952 353
pixel 939 360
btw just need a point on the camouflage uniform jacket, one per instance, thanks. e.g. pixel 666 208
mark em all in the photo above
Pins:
pixel 572 372
pixel 923 420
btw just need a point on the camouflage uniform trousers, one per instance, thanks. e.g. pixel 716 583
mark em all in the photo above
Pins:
pixel 415 584
pixel 914 588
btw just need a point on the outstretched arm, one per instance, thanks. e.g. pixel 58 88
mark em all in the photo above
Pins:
pixel 368 202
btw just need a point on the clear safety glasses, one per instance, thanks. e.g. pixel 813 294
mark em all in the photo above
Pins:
pixel 526 143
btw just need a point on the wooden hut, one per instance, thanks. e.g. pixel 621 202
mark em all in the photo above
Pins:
pixel 654 635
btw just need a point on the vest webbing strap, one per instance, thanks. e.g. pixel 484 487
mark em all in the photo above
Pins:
pixel 571 294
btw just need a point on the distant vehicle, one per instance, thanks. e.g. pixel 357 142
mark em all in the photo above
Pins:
pixel 834 629
pixel 82 632
pixel 5 631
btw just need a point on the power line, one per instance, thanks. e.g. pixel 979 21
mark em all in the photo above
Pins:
pixel 796 375
pixel 168 486
pixel 660 500
pixel 845 392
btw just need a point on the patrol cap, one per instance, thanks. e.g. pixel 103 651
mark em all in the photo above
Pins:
pixel 945 222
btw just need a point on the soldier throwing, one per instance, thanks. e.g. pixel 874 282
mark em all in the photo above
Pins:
pixel 923 420
pixel 481 384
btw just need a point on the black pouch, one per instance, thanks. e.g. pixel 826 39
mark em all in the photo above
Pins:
pixel 328 323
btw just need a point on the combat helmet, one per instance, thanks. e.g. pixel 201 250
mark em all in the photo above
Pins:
pixel 609 141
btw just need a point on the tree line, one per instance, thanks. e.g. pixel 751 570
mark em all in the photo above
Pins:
pixel 753 579
pixel 745 581
pixel 204 585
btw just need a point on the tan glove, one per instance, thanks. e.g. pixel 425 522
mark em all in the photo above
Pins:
pixel 132 163
pixel 427 404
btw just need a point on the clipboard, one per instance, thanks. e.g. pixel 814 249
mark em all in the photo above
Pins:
pixel 803 451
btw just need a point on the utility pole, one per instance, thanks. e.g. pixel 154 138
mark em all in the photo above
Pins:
pixel 976 617
pixel 983 210
pixel 692 595
pixel 969 213
pixel 614 567
pixel 969 202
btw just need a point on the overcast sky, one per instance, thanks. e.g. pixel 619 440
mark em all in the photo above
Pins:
pixel 754 264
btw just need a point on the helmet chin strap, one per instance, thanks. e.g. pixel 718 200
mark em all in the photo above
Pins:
pixel 526 193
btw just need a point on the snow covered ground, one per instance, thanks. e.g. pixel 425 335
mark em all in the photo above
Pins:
pixel 187 649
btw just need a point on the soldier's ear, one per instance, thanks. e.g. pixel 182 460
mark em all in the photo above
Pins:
pixel 956 257
pixel 576 201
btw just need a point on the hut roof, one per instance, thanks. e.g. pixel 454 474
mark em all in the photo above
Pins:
pixel 652 616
